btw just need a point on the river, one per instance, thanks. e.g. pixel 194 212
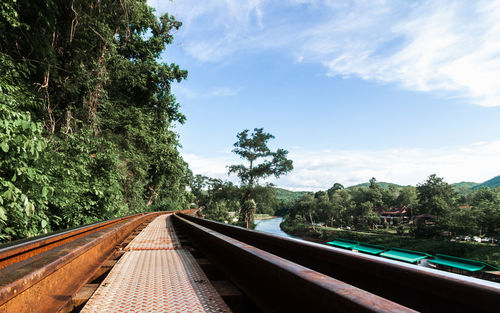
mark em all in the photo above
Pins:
pixel 272 226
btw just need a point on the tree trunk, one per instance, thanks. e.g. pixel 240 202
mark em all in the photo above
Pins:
pixel 312 222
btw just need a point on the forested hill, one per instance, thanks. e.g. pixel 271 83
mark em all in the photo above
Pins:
pixel 288 195
pixel 86 114
pixel 492 183
pixel 465 185
pixel 462 187
pixel 384 185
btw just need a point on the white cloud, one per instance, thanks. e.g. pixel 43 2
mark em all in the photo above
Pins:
pixel 214 92
pixel 213 29
pixel 186 92
pixel 441 46
pixel 318 170
pixel 224 92
pixel 210 166
pixel 447 47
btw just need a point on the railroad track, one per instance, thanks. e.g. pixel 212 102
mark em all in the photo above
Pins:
pixel 251 271
pixel 43 274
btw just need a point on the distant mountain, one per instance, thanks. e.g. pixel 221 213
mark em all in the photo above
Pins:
pixel 288 195
pixel 382 184
pixel 492 183
pixel 461 187
pixel 464 187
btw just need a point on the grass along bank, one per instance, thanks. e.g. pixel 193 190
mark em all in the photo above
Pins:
pixel 263 216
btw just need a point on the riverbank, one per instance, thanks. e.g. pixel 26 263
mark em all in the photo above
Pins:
pixel 488 253
pixel 259 217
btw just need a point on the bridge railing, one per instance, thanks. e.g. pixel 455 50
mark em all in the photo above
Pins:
pixel 279 285
pixel 419 288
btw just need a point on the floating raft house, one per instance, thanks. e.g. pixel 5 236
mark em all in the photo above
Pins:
pixel 343 243
pixel 440 261
pixel 461 264
pixel 357 246
pixel 370 249
pixel 408 256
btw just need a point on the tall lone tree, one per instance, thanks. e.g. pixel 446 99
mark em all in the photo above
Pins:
pixel 436 197
pixel 262 163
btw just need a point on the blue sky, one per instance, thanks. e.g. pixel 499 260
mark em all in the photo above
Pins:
pixel 395 90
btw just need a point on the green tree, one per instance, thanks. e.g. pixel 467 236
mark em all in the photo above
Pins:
pixel 89 112
pixel 341 202
pixel 306 207
pixel 262 163
pixel 376 194
pixel 334 188
pixel 248 210
pixel 464 221
pixel 24 187
pixel 487 214
pixel 219 210
pixel 265 198
pixel 219 198
pixel 486 210
pixel 407 196
pixel 363 214
pixel 436 197
pixel 199 185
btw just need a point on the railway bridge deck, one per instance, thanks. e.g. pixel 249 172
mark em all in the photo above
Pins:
pixel 164 262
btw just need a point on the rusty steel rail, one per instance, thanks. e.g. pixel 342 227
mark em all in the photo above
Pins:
pixel 419 288
pixel 41 275
pixel 279 285
pixel 18 252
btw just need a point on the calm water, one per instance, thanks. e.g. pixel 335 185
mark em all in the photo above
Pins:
pixel 271 226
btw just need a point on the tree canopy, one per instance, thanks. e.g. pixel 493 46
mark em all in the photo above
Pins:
pixel 87 113
pixel 253 148
pixel 261 163
pixel 435 197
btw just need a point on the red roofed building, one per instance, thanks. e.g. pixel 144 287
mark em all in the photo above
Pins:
pixel 393 216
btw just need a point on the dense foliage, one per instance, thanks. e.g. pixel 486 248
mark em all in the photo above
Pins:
pixel 226 202
pixel 287 195
pixel 223 201
pixel 86 114
pixel 261 163
pixel 433 209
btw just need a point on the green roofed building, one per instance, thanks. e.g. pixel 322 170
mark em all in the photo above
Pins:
pixel 405 255
pixel 343 243
pixel 370 249
pixel 459 265
pixel 357 246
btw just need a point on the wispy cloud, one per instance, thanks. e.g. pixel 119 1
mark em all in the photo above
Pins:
pixel 224 92
pixel 192 94
pixel 213 29
pixel 447 47
pixel 209 166
pixel 186 92
pixel 318 170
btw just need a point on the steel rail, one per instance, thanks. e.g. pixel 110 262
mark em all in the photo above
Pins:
pixel 419 288
pixel 279 285
pixel 16 253
pixel 42 275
